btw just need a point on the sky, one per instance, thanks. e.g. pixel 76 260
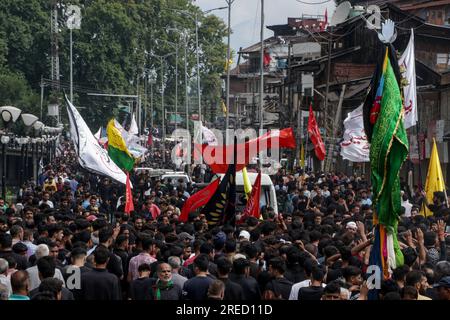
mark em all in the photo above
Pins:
pixel 246 18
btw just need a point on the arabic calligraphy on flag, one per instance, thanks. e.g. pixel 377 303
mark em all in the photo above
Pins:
pixel 355 146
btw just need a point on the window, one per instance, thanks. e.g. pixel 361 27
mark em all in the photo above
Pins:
pixel 442 58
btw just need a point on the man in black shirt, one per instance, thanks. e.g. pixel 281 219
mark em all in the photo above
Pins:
pixel 99 284
pixel 233 291
pixel 78 260
pixel 196 288
pixel 105 237
pixel 279 287
pixel 439 203
pixel 240 275
pixel 141 288
pixel 315 290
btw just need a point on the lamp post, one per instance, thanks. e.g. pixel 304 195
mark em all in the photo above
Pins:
pixel 195 19
pixel 9 115
pixel 186 102
pixel 5 141
pixel 175 45
pixel 163 140
pixel 73 22
pixel 230 2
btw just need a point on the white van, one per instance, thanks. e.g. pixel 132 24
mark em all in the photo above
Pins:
pixel 175 176
pixel 268 195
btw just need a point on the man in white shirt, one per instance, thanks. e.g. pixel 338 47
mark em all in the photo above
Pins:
pixel 4 279
pixel 405 204
pixel 46 200
pixel 42 250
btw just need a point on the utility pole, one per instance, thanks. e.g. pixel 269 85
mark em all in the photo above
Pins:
pixel 198 69
pixel 42 95
pixel 261 88
pixel 186 102
pixel 54 46
pixel 163 116
pixel 176 87
pixel 326 111
pixel 334 130
pixel 71 67
pixel 229 2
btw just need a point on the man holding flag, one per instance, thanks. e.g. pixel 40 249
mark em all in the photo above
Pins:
pixel 434 187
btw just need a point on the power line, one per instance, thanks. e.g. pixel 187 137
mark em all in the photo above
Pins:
pixel 313 3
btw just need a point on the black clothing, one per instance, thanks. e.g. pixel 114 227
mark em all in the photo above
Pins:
pixel 249 286
pixel 196 288
pixel 280 286
pixel 295 273
pixel 310 293
pixel 22 262
pixel 233 291
pixel 141 289
pixel 66 294
pixel 99 284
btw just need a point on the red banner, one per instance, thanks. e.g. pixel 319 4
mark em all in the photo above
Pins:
pixel 129 205
pixel 198 199
pixel 315 136
pixel 252 208
pixel 218 157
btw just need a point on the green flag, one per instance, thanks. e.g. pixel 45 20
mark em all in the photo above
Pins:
pixel 388 150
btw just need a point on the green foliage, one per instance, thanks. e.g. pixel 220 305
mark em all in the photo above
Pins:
pixel 111 51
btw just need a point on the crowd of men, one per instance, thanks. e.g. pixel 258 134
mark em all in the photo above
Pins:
pixel 66 237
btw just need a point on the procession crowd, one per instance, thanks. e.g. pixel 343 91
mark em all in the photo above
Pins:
pixel 66 237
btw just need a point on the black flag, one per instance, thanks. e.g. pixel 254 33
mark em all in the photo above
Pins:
pixel 221 208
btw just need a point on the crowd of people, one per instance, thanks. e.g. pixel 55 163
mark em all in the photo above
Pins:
pixel 66 237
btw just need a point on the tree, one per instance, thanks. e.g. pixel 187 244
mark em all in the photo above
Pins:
pixel 111 51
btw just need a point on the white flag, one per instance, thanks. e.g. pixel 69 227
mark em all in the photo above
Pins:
pixel 205 135
pixel 91 155
pixel 133 126
pixel 355 146
pixel 408 61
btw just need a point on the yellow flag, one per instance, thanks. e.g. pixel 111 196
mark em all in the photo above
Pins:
pixel 228 64
pixel 224 107
pixel 302 156
pixel 247 184
pixel 435 179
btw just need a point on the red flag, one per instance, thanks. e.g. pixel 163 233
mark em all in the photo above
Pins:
pixel 198 199
pixel 150 139
pixel 326 20
pixel 218 157
pixel 267 59
pixel 315 136
pixel 252 208
pixel 129 205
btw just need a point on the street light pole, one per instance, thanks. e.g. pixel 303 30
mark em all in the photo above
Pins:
pixel 163 113
pixel 176 87
pixel 261 88
pixel 186 102
pixel 4 140
pixel 198 69
pixel 227 104
pixel 71 68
